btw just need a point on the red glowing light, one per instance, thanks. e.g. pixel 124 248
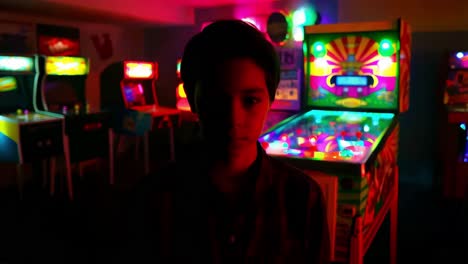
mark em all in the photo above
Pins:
pixel 92 126
pixel 313 140
pixel 284 137
pixel 265 145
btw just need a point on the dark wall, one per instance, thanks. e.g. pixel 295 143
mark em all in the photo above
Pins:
pixel 419 135
pixel 420 126
pixel 166 46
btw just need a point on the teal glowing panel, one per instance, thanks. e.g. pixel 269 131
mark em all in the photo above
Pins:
pixel 16 64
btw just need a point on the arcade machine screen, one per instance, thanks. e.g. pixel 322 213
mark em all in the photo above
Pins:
pixel 17 79
pixel 134 94
pixel 335 136
pixel 64 85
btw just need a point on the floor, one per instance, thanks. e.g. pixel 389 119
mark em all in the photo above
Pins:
pixel 40 228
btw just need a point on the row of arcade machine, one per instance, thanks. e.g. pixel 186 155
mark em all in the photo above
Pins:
pixel 455 149
pixel 44 114
pixel 346 135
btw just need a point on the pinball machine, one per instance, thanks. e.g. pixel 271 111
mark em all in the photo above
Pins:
pixel 357 84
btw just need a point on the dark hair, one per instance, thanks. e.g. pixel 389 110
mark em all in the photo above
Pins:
pixel 224 40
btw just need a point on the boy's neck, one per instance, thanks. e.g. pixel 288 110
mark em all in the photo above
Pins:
pixel 228 172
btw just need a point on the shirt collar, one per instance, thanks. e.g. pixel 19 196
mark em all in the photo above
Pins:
pixel 261 171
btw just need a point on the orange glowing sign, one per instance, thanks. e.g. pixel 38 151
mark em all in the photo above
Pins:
pixel 66 66
pixel 181 91
pixel 140 70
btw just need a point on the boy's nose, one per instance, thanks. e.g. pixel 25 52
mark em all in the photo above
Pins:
pixel 235 115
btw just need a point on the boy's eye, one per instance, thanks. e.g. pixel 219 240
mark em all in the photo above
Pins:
pixel 251 100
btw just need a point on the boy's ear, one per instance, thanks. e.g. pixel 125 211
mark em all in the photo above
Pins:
pixel 194 99
pixel 193 107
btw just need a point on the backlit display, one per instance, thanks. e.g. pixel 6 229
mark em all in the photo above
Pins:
pixel 139 70
pixel 66 66
pixel 353 70
pixel 17 64
pixel 134 94
pixel 351 81
pixel 8 83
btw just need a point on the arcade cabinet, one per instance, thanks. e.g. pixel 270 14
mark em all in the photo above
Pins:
pixel 130 87
pixel 25 135
pixel 62 94
pixel 455 134
pixel 357 84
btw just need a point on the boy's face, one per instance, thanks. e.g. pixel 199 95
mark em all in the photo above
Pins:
pixel 232 106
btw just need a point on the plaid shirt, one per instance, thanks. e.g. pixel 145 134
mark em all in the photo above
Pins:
pixel 177 216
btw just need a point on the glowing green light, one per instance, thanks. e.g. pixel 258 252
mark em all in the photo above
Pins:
pixel 299 17
pixel 319 50
pixel 386 48
pixel 304 16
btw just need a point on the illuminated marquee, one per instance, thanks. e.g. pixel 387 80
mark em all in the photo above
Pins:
pixel 139 70
pixel 66 66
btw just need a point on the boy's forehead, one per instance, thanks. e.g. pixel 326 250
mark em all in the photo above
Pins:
pixel 234 76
